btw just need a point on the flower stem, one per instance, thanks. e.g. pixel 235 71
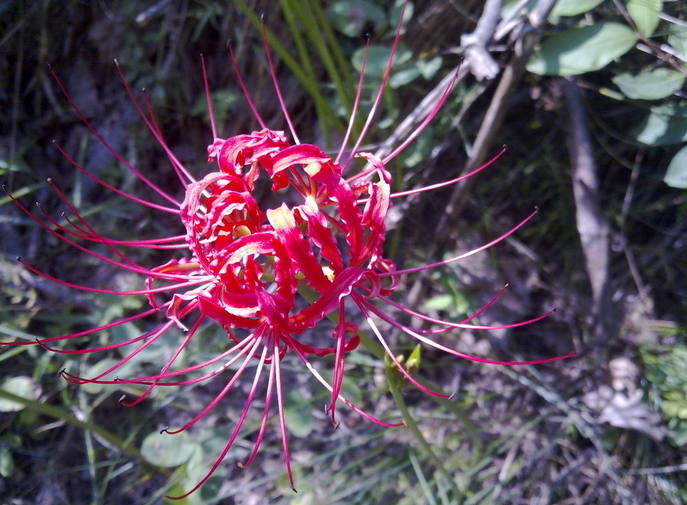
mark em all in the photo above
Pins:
pixel 394 388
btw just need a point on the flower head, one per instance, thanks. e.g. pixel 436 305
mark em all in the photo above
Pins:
pixel 265 274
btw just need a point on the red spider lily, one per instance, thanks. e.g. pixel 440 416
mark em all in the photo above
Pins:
pixel 265 275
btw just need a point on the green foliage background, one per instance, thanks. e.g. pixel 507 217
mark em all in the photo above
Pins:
pixel 509 435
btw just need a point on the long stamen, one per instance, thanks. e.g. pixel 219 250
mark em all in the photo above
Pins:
pixel 244 89
pixel 153 335
pixel 248 352
pixel 280 408
pixel 92 330
pixel 453 352
pixel 180 169
pixel 156 243
pixel 450 181
pixel 192 331
pixel 382 86
pixel 111 187
pixel 341 397
pixel 487 305
pixel 265 413
pixel 339 360
pixel 178 166
pixel 437 107
pixel 275 82
pixel 78 215
pixel 462 325
pixel 208 98
pixel 106 144
pixel 361 305
pixel 95 349
pixel 464 255
pixel 132 267
pixel 237 429
pixel 356 101
pixel 157 379
pixel 171 287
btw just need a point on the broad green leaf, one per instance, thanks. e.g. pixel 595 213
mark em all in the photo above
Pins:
pixel 429 67
pixel 454 303
pixel 678 39
pixel 395 12
pixel 678 427
pixel 579 50
pixel 178 489
pixel 298 414
pixel 165 450
pixel 349 389
pixel 404 76
pixel 443 301
pixel 354 17
pixel 665 124
pixel 377 59
pixel 6 462
pixel 676 176
pixel 571 8
pixel 645 14
pixel 18 386
pixel 222 102
pixel 650 85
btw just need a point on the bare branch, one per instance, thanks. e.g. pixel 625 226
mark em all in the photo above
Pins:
pixel 493 118
pixel 592 225
pixel 474 44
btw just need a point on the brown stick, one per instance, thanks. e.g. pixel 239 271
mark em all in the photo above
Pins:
pixel 592 225
pixel 493 118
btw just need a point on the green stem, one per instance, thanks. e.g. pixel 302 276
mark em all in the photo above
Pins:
pixel 393 384
pixel 471 429
pixel 58 413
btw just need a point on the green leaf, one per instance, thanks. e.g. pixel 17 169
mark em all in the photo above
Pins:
pixel 404 76
pixel 298 414
pixel 454 303
pixel 429 67
pixel 571 8
pixel 222 102
pixel 21 386
pixel 645 14
pixel 677 37
pixel 579 50
pixel 650 85
pixel 165 450
pixel 396 12
pixel 678 427
pixel 377 59
pixel 676 176
pixel 443 301
pixel 351 17
pixel 6 462
pixel 665 124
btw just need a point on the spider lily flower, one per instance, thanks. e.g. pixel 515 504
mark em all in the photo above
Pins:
pixel 265 275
